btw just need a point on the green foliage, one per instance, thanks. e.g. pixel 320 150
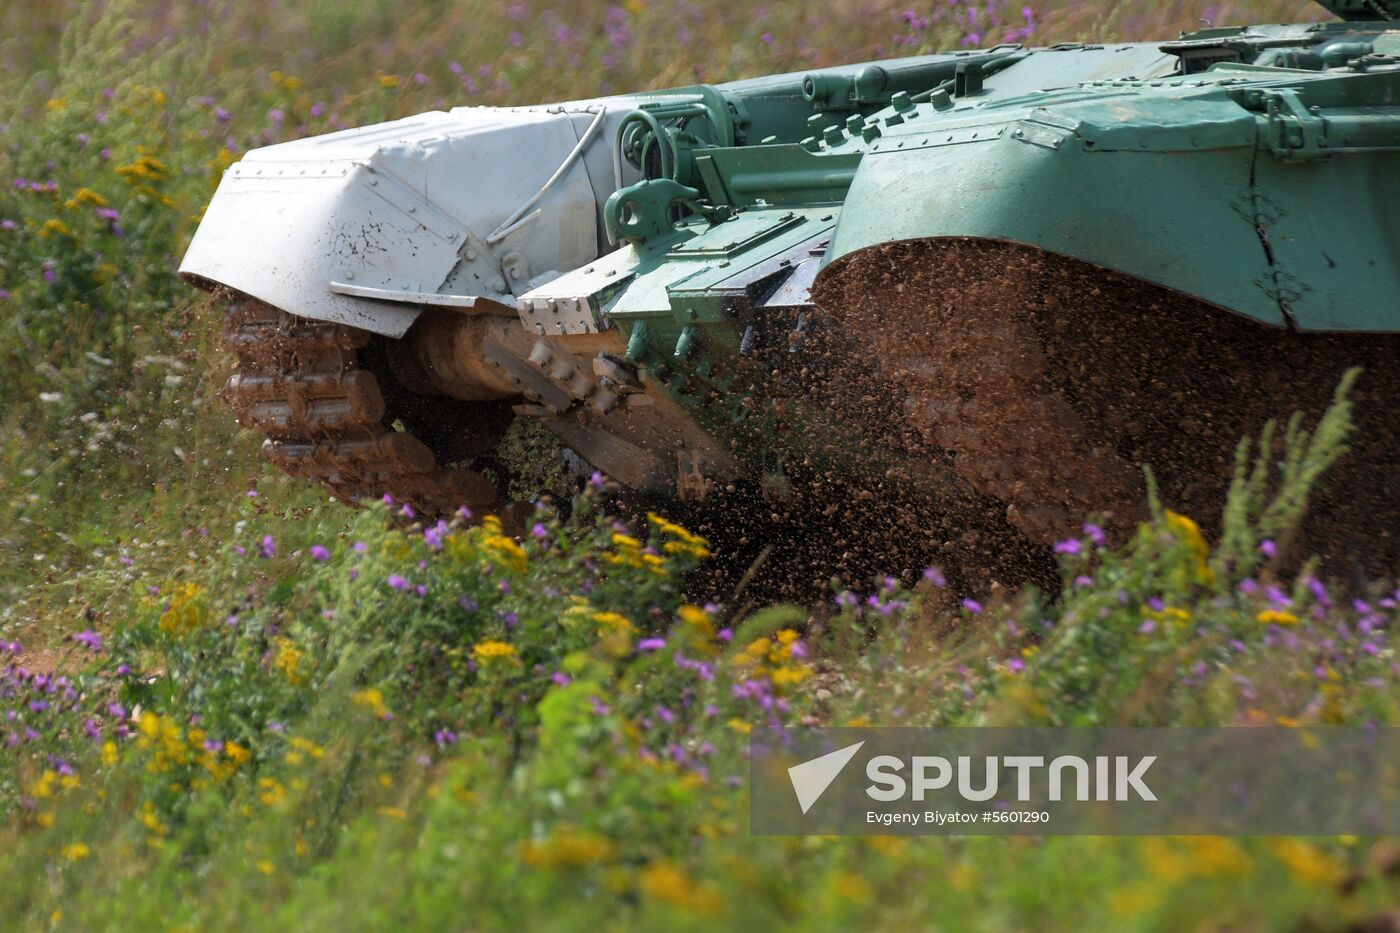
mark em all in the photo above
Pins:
pixel 509 727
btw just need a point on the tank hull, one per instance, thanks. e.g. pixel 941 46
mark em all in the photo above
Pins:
pixel 686 286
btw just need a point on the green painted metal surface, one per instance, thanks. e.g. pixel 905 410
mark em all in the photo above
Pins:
pixel 1255 168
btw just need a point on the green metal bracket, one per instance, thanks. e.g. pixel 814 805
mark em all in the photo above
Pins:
pixel 642 211
pixel 1294 131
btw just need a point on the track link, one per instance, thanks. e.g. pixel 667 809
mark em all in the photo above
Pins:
pixel 302 384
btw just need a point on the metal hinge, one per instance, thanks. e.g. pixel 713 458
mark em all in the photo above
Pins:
pixel 1293 132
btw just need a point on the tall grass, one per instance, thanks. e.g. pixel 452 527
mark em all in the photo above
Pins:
pixel 388 724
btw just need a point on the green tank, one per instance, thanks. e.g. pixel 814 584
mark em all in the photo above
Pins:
pixel 941 305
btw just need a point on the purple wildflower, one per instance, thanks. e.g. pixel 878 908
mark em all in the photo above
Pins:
pixel 320 553
pixel 91 639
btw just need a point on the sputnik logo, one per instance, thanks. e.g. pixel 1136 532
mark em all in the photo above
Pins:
pixel 811 778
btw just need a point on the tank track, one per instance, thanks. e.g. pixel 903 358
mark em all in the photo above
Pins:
pixel 1053 383
pixel 305 386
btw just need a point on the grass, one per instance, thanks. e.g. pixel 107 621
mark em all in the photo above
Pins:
pixel 254 706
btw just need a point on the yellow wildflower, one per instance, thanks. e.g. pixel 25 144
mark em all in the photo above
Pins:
pixel 664 881
pixel 1187 531
pixel 265 867
pixel 394 813
pixel 685 541
pixel 149 818
pixel 187 610
pixel 76 852
pixel 109 752
pixel 285 82
pixel 756 650
pixel 56 104
pixel 145 168
pixel 273 793
pixel 674 530
pixel 702 628
pixel 1216 855
pixel 308 746
pixel 44 787
pixel 850 886
pixel 790 676
pixel 372 698
pixel 695 616
pixel 1171 614
pixel 494 651
pixel 54 228
pixel 389 81
pixel 568 848
pixel 579 611
pixel 1307 863
pixel 962 876
pixel 1275 617
pixel 508 551
pixel 88 196
pixel 615 621
pixel 288 661
pixel 684 547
